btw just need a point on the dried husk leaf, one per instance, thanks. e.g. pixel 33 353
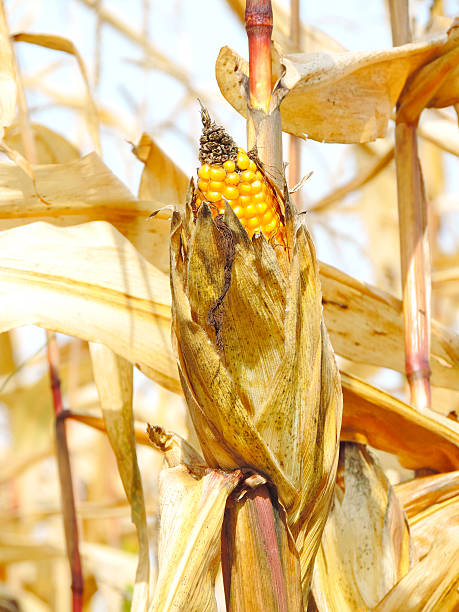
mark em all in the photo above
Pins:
pixel 335 97
pixel 7 74
pixel 221 418
pixel 260 380
pixel 192 508
pixel 162 180
pixel 90 282
pixel 365 325
pixel 261 569
pixel 419 494
pixel 113 378
pixel 76 192
pixel 50 147
pixel 365 547
pixel 372 416
pixel 432 584
pixel 59 43
pixel 427 525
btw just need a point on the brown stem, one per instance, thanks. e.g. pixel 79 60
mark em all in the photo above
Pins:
pixel 65 477
pixel 259 26
pixel 414 241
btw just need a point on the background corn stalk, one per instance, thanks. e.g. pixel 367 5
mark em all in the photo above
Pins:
pixel 79 256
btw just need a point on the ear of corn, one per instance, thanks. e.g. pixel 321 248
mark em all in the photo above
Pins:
pixel 228 174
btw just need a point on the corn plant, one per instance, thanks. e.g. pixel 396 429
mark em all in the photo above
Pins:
pixel 269 497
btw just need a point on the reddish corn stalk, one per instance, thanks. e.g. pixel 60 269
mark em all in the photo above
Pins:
pixel 414 245
pixel 65 476
pixel 259 26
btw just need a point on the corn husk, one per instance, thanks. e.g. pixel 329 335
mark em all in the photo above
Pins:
pixel 365 548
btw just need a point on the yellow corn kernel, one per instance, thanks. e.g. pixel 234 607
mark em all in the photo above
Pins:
pixel 217 173
pixel 230 192
pixel 229 166
pixel 250 211
pixel 237 211
pixel 213 196
pixel 262 207
pixel 232 178
pixel 244 188
pixel 259 197
pixel 244 201
pixel 247 176
pixel 256 186
pixel 203 185
pixel 217 186
pixel 267 217
pixel 270 228
pixel 243 162
pixel 204 172
pixel 253 222
pixel 253 166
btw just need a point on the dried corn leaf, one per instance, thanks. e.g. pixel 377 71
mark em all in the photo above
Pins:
pixel 432 584
pixel 192 508
pixel 335 97
pixel 7 363
pixel 113 377
pixel 428 525
pixel 419 494
pixel 365 325
pixel 164 182
pixel 88 282
pixel 59 43
pixel 78 191
pixel 8 87
pixel 365 547
pixel 372 416
pixel 261 569
pixel 50 147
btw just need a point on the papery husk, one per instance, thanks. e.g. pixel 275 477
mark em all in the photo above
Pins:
pixel 432 584
pixel 428 525
pixel 261 383
pixel 343 97
pixel 192 507
pixel 419 494
pixel 365 548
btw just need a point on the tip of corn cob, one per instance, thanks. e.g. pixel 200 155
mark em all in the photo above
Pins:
pixel 228 174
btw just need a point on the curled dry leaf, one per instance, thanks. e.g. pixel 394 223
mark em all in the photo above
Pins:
pixel 372 416
pixel 59 43
pixel 335 97
pixel 50 147
pixel 420 493
pixel 433 583
pixel 427 526
pixel 365 548
pixel 164 182
pixel 89 282
pixel 7 74
pixel 192 507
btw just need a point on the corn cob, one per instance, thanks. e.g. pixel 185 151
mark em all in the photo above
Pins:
pixel 228 173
